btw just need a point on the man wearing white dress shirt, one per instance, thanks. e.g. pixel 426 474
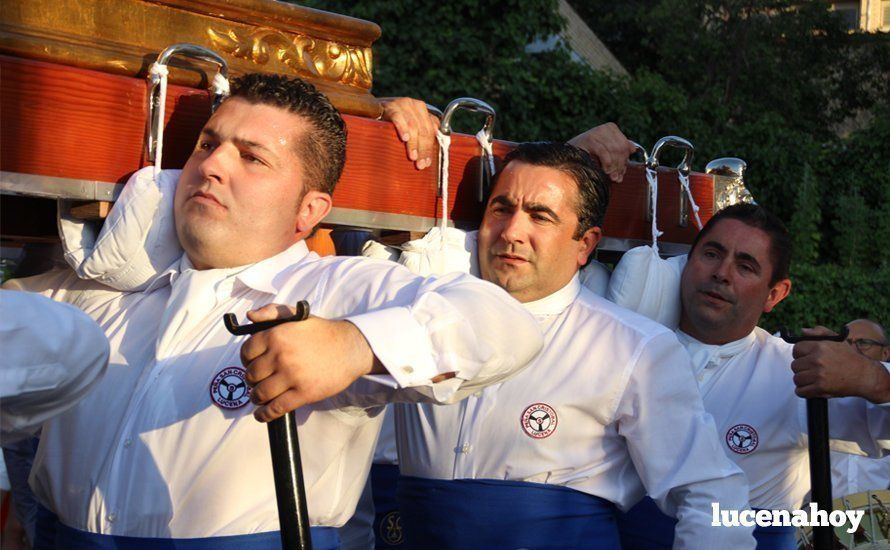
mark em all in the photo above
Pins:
pixel 737 270
pixel 607 411
pixel 165 452
pixel 852 474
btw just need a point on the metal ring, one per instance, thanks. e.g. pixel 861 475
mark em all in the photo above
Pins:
pixel 186 50
pixel 477 106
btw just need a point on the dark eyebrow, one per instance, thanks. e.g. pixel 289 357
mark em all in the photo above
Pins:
pixel 541 209
pixel 241 142
pixel 527 207
pixel 742 256
pixel 745 257
pixel 503 200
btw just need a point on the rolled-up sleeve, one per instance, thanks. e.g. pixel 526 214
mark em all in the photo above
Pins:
pixel 53 354
pixel 675 449
pixel 466 332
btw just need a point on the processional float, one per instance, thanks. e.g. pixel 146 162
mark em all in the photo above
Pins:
pixel 84 106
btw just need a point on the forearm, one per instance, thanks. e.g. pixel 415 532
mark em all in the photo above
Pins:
pixel 695 510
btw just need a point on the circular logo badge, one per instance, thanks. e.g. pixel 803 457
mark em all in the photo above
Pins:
pixel 229 390
pixel 742 439
pixel 538 420
pixel 391 529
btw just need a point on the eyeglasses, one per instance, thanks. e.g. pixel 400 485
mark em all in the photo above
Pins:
pixel 865 344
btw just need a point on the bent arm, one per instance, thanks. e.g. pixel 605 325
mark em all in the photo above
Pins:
pixel 53 354
pixel 674 446
pixel 458 330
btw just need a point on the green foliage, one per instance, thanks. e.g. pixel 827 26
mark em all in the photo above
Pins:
pixel 769 81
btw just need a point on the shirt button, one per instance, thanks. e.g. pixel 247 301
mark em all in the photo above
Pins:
pixel 408 370
pixel 465 449
pixel 111 517
pixel 478 395
pixel 127 443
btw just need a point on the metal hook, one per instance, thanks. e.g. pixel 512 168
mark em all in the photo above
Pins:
pixel 232 325
pixel 477 106
pixel 684 168
pixel 154 95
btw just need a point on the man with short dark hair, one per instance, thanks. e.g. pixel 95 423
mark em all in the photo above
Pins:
pixel 606 412
pixel 164 452
pixel 737 270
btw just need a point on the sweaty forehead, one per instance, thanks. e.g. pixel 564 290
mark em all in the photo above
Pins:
pixel 266 125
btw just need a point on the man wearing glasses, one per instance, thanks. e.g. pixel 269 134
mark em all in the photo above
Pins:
pixel 852 474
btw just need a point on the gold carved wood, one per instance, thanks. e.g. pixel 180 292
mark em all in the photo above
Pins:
pixel 124 37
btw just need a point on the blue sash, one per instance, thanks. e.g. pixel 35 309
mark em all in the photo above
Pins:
pixel 645 527
pixel 387 519
pixel 53 534
pixel 484 513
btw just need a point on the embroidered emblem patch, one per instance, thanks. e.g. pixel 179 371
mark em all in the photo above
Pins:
pixel 538 420
pixel 742 439
pixel 391 529
pixel 229 390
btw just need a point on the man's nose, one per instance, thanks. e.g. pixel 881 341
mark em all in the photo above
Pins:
pixel 215 165
pixel 721 271
pixel 515 229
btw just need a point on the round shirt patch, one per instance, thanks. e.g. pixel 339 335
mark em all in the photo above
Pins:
pixel 229 390
pixel 538 420
pixel 391 529
pixel 742 439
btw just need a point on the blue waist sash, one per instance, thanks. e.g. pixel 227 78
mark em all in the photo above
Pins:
pixel 645 527
pixel 483 513
pixel 52 534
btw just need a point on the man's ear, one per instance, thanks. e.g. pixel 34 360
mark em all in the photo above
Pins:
pixel 313 208
pixel 587 244
pixel 777 293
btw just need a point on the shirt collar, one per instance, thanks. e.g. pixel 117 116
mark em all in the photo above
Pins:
pixel 165 277
pixel 266 276
pixel 558 301
pixel 262 276
pixel 714 351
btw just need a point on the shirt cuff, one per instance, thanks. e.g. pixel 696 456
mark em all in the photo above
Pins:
pixel 400 343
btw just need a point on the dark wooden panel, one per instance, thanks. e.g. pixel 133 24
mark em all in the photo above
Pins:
pixel 76 123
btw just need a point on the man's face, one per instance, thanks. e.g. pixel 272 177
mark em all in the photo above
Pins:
pixel 525 241
pixel 238 198
pixel 725 286
pixel 866 330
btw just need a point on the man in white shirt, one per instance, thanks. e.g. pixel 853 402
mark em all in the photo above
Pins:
pixel 53 354
pixel 852 474
pixel 165 452
pixel 737 270
pixel 608 411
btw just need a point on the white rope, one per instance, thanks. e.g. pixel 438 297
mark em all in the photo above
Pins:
pixel 486 145
pixel 684 183
pixel 445 145
pixel 158 73
pixel 652 179
pixel 220 85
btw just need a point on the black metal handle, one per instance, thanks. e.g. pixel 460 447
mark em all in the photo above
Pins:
pixel 287 468
pixel 792 339
pixel 817 446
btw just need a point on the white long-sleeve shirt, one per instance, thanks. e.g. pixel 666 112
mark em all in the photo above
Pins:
pixel 609 407
pixel 748 387
pixel 52 355
pixel 153 453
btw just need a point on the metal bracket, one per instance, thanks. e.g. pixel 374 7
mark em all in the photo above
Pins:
pixel 684 167
pixel 477 106
pixel 154 94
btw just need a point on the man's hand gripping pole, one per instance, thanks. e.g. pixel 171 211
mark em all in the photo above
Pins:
pixel 290 491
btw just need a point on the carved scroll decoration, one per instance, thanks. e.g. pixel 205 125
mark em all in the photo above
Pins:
pixel 319 58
